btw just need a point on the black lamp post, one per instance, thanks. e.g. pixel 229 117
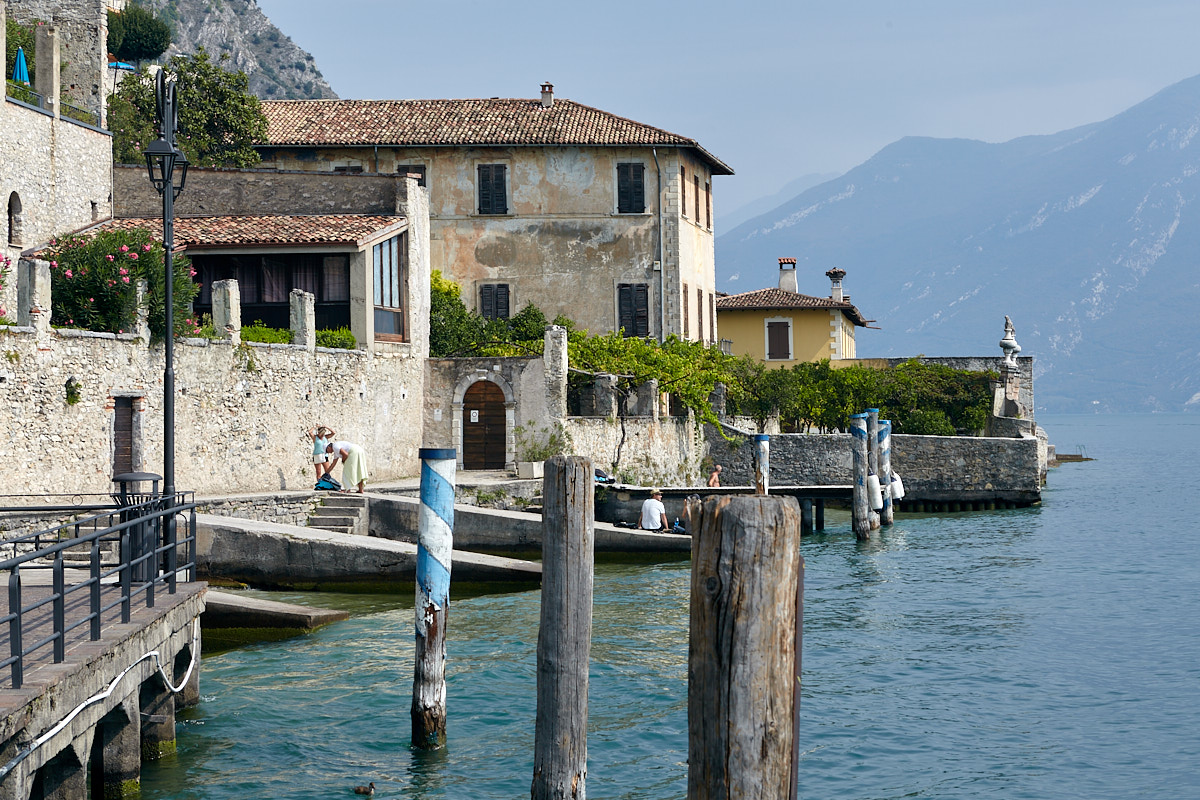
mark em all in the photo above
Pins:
pixel 163 158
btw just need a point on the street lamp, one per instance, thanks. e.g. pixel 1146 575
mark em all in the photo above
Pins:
pixel 163 158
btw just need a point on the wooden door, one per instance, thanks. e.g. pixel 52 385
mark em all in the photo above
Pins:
pixel 483 426
pixel 122 435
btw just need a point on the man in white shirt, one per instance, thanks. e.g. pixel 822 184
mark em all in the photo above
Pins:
pixel 654 513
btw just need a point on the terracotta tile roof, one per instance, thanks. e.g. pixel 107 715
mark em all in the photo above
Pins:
pixel 197 233
pixel 780 299
pixel 426 123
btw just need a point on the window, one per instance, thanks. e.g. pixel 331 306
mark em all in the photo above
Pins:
pixel 348 169
pixel 687 326
pixel 633 308
pixel 493 301
pixel 493 195
pixel 779 340
pixel 336 279
pixel 699 314
pixel 412 169
pixel 683 191
pixel 712 317
pixel 631 193
pixel 696 197
pixel 708 203
pixel 390 267
pixel 265 283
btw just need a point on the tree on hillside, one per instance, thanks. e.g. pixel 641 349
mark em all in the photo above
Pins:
pixel 137 35
pixel 219 120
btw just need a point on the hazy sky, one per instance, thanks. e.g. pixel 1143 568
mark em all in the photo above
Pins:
pixel 774 89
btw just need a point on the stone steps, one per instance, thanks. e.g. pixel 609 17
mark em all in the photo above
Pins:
pixel 340 513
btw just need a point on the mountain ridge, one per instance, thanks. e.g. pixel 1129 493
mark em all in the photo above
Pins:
pixel 1069 233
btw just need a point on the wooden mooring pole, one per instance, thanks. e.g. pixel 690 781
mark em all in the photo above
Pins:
pixel 435 541
pixel 565 633
pixel 747 611
pixel 886 517
pixel 858 443
pixel 762 463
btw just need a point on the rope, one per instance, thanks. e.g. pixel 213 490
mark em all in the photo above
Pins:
pixel 45 737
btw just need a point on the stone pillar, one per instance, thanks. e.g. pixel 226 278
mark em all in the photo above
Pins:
pixel 48 81
pixel 158 719
pixel 64 777
pixel 33 295
pixel 227 310
pixel 362 301
pixel 120 749
pixel 604 392
pixel 554 362
pixel 304 319
pixel 189 695
pixel 717 400
pixel 141 323
pixel 647 399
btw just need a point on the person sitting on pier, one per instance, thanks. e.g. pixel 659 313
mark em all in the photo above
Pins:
pixel 654 513
pixel 714 480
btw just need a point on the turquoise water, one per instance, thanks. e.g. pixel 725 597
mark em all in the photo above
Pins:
pixel 1034 653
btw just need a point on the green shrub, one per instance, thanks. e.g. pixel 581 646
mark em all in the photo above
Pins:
pixel 258 332
pixel 931 422
pixel 95 282
pixel 340 338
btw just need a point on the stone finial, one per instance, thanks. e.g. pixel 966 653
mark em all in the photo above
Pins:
pixel 1009 344
pixel 303 319
pixel 554 358
pixel 835 276
pixel 227 310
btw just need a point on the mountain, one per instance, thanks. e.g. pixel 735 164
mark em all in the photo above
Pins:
pixel 732 219
pixel 277 67
pixel 1089 239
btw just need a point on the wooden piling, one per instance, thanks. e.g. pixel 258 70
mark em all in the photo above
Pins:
pixel 861 507
pixel 565 633
pixel 762 463
pixel 820 515
pixel 435 535
pixel 744 647
pixel 806 517
pixel 887 516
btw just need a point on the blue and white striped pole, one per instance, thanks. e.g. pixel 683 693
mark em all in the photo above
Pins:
pixel 885 470
pixel 874 504
pixel 858 445
pixel 435 532
pixel 762 463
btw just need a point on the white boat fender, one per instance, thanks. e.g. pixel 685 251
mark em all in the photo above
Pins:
pixel 875 494
pixel 897 486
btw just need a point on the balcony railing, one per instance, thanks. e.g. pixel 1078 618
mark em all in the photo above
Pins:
pixel 150 556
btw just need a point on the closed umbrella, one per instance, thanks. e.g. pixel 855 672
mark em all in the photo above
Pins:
pixel 20 71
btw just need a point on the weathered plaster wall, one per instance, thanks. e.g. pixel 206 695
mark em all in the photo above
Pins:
pixel 241 412
pixel 562 238
pixel 933 467
pixel 60 172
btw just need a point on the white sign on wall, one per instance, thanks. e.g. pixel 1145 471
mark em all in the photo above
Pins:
pixel 474 415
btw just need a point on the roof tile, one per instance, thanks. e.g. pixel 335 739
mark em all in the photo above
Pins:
pixel 265 231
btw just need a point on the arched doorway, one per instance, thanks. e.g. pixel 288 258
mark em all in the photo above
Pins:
pixel 15 221
pixel 483 424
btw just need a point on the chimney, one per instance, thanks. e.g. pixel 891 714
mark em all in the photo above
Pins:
pixel 787 275
pixel 547 95
pixel 835 276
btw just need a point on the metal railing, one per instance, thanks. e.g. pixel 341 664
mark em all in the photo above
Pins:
pixel 21 92
pixel 79 114
pixel 151 554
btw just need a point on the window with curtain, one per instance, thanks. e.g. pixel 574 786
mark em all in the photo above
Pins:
pixel 390 273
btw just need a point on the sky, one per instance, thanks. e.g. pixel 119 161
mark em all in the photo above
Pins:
pixel 774 89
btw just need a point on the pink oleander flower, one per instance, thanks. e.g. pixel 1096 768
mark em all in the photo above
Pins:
pixel 191 272
pixel 91 299
pixel 110 258
pixel 124 248
pixel 146 248
pixel 122 271
pixel 126 279
pixel 133 256
pixel 68 274
pixel 3 312
pixel 54 265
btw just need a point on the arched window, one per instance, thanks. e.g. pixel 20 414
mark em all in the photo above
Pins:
pixel 14 219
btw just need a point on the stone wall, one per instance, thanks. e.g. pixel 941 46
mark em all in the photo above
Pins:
pixel 286 508
pixel 641 450
pixel 82 29
pixel 241 411
pixel 261 191
pixel 932 467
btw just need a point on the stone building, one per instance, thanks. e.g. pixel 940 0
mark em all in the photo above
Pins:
pixel 54 168
pixel 781 327
pixel 543 201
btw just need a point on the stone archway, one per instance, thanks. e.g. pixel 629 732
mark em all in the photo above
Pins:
pixel 15 220
pixel 488 401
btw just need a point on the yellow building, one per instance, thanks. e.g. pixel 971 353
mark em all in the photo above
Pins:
pixel 781 327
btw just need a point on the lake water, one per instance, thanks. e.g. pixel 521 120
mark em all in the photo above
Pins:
pixel 1051 652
